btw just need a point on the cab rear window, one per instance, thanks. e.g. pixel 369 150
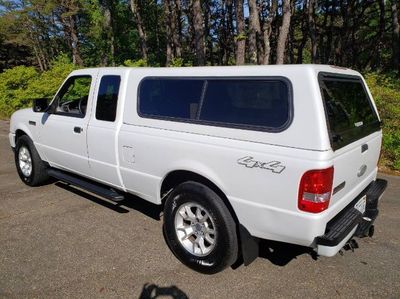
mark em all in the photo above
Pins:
pixel 348 108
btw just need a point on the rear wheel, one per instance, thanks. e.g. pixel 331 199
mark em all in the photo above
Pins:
pixel 199 228
pixel 30 167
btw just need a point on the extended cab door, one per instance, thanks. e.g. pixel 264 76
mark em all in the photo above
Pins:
pixel 103 128
pixel 63 132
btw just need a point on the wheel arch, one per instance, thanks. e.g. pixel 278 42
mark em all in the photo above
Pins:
pixel 24 131
pixel 179 176
pixel 19 133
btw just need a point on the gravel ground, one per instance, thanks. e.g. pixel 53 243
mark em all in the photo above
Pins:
pixel 56 241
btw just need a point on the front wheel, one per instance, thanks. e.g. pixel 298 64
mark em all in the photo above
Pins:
pixel 30 167
pixel 199 229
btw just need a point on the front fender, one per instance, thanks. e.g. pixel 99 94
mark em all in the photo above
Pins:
pixel 26 122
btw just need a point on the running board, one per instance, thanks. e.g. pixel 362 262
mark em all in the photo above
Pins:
pixel 85 184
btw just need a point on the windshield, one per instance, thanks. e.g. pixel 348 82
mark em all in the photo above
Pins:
pixel 350 113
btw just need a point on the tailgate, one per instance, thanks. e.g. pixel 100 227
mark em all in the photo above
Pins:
pixel 354 130
pixel 353 164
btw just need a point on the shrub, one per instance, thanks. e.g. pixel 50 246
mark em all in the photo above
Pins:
pixel 385 89
pixel 15 90
pixel 135 63
pixel 21 84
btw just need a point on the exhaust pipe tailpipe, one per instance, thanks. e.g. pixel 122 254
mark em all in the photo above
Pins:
pixel 351 245
pixel 371 231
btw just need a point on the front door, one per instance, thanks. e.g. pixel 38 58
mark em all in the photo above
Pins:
pixel 63 133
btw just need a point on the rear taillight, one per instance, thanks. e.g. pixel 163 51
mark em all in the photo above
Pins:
pixel 315 190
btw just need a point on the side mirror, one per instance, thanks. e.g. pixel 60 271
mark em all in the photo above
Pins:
pixel 40 105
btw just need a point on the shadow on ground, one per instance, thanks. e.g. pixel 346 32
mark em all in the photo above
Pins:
pixel 278 253
pixel 152 291
pixel 130 202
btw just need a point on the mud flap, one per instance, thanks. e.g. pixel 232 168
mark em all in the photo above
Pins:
pixel 249 246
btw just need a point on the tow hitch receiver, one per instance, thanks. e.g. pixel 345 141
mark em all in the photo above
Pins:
pixel 366 225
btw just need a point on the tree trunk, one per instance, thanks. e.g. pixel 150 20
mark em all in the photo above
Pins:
pixel 268 30
pixel 329 58
pixel 283 33
pixel 208 40
pixel 396 38
pixel 223 35
pixel 109 29
pixel 254 31
pixel 198 32
pixel 177 29
pixel 140 27
pixel 169 31
pixel 240 34
pixel 230 30
pixel 291 38
pixel 313 30
pixel 304 33
pixel 76 56
pixel 323 34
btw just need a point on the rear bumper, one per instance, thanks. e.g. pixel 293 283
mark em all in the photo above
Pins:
pixel 351 222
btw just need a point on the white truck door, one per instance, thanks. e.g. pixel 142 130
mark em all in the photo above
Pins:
pixel 63 132
pixel 103 129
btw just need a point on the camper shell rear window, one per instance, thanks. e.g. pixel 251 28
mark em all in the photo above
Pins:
pixel 248 103
pixel 349 110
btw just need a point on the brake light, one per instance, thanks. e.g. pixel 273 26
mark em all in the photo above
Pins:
pixel 315 190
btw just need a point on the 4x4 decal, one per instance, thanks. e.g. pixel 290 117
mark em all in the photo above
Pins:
pixel 274 166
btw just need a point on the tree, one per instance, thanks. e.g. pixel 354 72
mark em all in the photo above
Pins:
pixel 354 34
pixel 140 27
pixel 69 10
pixel 396 37
pixel 240 33
pixel 109 17
pixel 283 32
pixel 198 31
pixel 312 29
pixel 254 32
pixel 268 30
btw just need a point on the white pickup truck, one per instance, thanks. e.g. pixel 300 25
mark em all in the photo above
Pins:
pixel 233 154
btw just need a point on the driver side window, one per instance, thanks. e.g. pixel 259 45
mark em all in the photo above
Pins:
pixel 73 96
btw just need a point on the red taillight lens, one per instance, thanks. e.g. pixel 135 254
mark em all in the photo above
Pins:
pixel 315 190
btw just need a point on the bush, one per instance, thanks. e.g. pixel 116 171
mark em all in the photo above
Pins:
pixel 21 84
pixel 135 63
pixel 15 90
pixel 385 89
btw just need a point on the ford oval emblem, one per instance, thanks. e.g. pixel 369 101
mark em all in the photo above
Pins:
pixel 362 170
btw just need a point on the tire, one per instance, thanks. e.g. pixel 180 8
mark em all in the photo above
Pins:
pixel 34 171
pixel 218 250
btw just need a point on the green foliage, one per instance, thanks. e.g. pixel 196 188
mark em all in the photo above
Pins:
pixel 59 70
pixel 177 62
pixel 14 88
pixel 385 89
pixel 135 63
pixel 21 84
pixel 240 37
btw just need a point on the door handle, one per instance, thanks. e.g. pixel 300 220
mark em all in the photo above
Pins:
pixel 78 130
